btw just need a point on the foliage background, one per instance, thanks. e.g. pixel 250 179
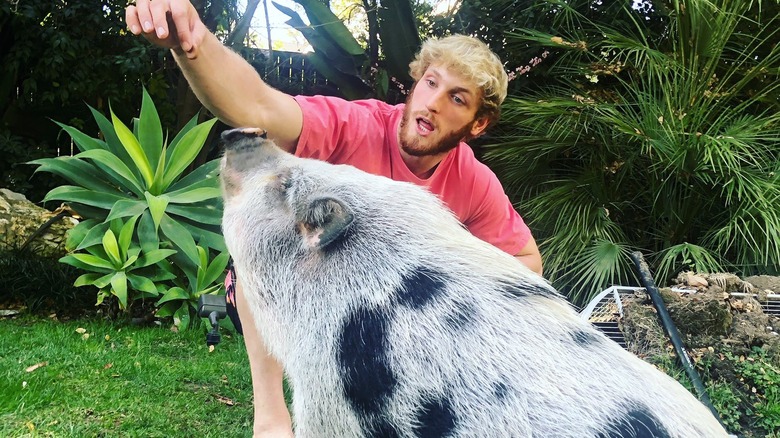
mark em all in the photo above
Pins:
pixel 57 56
pixel 594 148
pixel 648 126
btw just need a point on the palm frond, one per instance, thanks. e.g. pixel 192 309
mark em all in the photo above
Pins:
pixel 686 256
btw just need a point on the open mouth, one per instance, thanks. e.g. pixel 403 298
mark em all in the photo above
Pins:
pixel 424 126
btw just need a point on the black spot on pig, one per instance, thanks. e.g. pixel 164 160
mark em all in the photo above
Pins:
pixel 460 315
pixel 435 419
pixel 381 428
pixel 515 291
pixel 584 338
pixel 362 356
pixel 419 287
pixel 500 391
pixel 638 422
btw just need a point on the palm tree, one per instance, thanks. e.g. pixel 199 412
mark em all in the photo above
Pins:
pixel 654 129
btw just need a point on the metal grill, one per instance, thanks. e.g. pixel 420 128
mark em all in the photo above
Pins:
pixel 772 305
pixel 605 309
pixel 612 330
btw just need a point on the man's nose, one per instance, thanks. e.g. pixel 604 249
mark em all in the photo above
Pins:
pixel 434 101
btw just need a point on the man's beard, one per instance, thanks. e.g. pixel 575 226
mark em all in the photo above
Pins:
pixel 413 147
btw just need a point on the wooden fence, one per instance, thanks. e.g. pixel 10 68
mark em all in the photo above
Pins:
pixel 290 72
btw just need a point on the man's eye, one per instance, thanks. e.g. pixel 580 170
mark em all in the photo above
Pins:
pixel 458 100
pixel 431 83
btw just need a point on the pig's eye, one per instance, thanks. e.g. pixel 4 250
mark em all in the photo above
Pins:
pixel 284 181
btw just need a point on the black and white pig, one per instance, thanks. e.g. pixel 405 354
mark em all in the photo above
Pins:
pixel 391 320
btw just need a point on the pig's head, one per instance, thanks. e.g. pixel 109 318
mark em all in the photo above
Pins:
pixel 289 220
pixel 269 195
pixel 281 206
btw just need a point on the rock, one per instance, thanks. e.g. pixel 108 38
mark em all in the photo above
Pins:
pixel 696 281
pixel 20 219
pixel 691 279
pixel 730 282
pixel 765 283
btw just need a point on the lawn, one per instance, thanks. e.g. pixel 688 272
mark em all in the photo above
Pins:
pixel 96 378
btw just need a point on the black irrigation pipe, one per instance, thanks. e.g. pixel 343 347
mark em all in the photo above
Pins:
pixel 671 330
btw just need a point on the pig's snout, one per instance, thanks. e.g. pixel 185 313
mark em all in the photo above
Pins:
pixel 242 140
pixel 247 148
pixel 233 136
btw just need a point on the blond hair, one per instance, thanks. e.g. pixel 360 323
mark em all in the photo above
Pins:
pixel 472 59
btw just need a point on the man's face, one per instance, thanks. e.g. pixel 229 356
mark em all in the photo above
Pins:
pixel 440 113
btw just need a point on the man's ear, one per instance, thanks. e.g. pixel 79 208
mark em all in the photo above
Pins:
pixel 478 126
pixel 323 221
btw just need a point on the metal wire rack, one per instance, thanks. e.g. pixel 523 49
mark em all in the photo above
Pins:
pixel 606 309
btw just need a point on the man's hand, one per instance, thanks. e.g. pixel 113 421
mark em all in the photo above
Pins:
pixel 173 24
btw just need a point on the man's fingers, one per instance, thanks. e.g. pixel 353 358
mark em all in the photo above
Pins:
pixel 167 23
pixel 182 23
pixel 131 19
pixel 159 9
pixel 144 16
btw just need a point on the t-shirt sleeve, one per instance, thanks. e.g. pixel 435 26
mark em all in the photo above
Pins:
pixel 495 220
pixel 330 128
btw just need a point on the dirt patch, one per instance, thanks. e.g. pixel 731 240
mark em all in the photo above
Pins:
pixel 729 329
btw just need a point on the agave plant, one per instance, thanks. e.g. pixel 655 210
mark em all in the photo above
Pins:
pixel 117 261
pixel 207 277
pixel 138 178
pixel 139 174
pixel 663 138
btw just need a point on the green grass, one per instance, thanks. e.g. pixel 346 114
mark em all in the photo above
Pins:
pixel 120 381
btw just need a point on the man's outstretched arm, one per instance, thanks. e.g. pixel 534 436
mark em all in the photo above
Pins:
pixel 224 82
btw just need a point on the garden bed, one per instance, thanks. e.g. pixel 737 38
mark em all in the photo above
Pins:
pixel 729 329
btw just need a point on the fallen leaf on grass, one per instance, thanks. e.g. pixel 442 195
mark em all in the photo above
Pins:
pixel 81 330
pixel 224 400
pixel 107 366
pixel 36 366
pixel 211 348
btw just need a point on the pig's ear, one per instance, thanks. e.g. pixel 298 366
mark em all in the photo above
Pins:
pixel 324 221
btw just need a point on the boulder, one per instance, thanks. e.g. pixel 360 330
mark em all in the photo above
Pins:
pixel 20 220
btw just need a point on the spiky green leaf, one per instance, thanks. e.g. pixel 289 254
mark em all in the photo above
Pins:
pixel 185 151
pixel 134 149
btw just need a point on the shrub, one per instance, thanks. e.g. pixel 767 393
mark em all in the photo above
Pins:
pixel 150 230
pixel 652 131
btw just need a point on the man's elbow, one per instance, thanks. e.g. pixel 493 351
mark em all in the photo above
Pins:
pixel 529 256
pixel 532 261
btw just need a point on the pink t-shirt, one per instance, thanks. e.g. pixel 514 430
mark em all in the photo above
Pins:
pixel 364 134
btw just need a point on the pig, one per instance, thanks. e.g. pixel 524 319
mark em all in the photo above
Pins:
pixel 391 320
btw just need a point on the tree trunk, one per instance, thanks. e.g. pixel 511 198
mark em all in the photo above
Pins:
pixel 237 36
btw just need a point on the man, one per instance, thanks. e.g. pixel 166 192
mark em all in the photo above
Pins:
pixel 460 85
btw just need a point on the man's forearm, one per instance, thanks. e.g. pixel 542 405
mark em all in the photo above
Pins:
pixel 214 75
pixel 232 90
